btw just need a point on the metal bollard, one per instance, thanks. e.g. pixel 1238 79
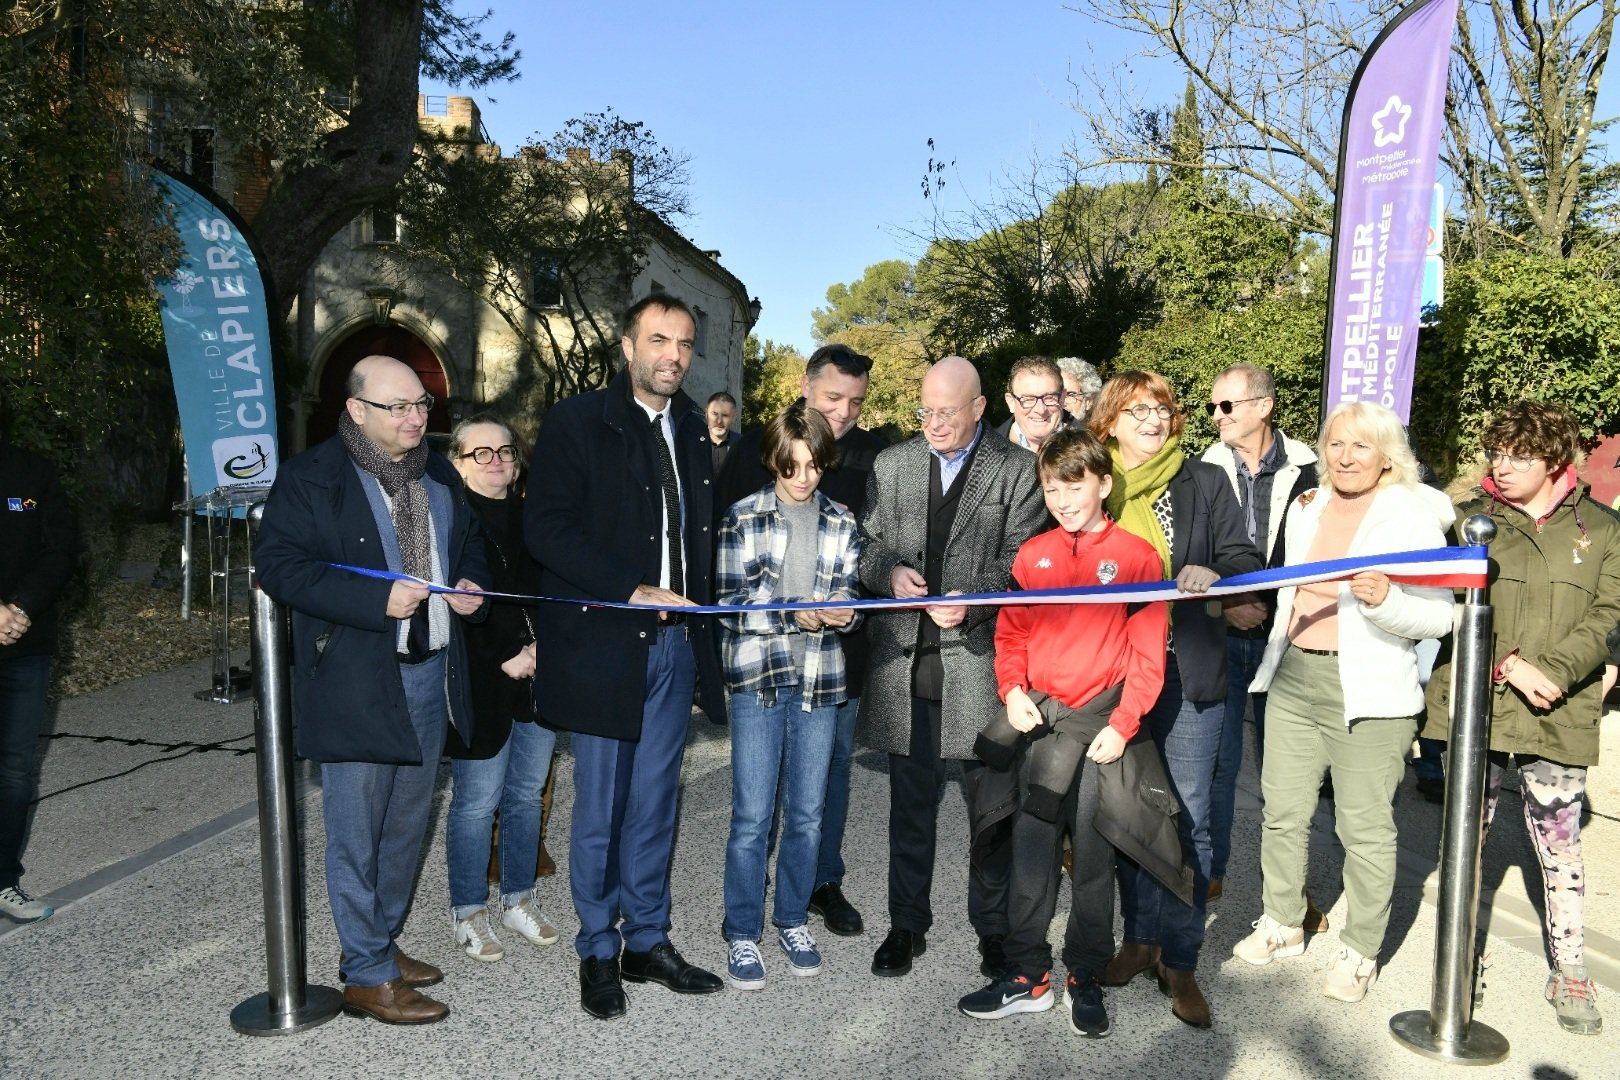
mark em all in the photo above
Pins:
pixel 291 1004
pixel 1447 1031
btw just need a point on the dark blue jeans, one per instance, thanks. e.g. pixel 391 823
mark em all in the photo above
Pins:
pixel 22 714
pixel 1188 734
pixel 1242 661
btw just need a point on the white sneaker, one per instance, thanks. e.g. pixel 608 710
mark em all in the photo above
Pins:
pixel 1351 976
pixel 526 918
pixel 1270 940
pixel 476 936
pixel 1570 990
pixel 22 907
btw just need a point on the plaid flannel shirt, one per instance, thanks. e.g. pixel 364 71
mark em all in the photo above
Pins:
pixel 757 647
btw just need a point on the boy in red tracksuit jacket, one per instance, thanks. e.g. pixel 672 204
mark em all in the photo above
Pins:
pixel 1063 670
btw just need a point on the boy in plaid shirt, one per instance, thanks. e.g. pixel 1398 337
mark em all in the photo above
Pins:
pixel 785 670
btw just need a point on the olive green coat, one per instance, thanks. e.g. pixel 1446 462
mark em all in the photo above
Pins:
pixel 1555 602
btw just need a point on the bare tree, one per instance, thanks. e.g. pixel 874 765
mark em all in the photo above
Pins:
pixel 1041 264
pixel 1272 77
pixel 1521 115
pixel 549 239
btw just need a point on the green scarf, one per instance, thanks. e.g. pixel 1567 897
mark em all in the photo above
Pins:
pixel 1130 503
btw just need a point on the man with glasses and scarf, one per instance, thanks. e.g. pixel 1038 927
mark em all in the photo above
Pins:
pixel 1267 469
pixel 379 665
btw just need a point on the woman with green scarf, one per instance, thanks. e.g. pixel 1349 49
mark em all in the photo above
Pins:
pixel 1186 509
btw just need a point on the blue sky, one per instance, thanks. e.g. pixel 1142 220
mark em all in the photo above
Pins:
pixel 806 124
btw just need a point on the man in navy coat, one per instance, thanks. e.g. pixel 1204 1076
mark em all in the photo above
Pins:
pixel 620 509
pixel 379 666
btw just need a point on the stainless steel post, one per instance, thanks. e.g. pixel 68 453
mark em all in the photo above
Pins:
pixel 1448 1031
pixel 291 1004
pixel 185 541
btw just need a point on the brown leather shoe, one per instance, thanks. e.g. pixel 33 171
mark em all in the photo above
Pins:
pixel 393 1003
pixel 1187 1002
pixel 1214 890
pixel 544 864
pixel 1133 959
pixel 1316 919
pixel 416 973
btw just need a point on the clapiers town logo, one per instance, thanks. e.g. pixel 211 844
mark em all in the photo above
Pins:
pixel 243 459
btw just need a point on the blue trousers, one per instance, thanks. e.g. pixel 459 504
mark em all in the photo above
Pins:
pixel 775 746
pixel 834 814
pixel 625 796
pixel 1243 657
pixel 376 819
pixel 510 782
pixel 1188 734
pixel 23 680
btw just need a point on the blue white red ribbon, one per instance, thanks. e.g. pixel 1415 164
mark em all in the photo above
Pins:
pixel 1447 568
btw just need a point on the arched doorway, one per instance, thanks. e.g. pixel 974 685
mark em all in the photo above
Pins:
pixel 391 340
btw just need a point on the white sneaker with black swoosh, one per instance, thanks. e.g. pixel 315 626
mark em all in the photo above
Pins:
pixel 1014 992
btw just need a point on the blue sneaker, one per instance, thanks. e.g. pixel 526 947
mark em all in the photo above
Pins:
pixel 802 955
pixel 1087 1016
pixel 744 968
pixel 1013 992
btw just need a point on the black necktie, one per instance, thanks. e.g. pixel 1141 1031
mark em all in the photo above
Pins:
pixel 672 506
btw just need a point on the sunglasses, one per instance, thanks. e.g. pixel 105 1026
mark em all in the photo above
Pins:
pixel 1226 407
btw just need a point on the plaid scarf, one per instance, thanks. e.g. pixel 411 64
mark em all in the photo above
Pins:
pixel 402 481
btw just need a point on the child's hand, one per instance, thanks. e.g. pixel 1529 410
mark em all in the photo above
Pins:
pixel 837 616
pixel 1021 712
pixel 1107 746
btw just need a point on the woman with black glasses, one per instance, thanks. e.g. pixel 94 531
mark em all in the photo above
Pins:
pixel 506 765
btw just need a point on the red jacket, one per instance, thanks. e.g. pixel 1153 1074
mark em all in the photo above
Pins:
pixel 1074 652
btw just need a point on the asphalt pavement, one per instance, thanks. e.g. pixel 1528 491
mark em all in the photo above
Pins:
pixel 145 839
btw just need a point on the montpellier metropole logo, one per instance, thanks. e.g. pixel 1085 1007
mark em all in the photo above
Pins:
pixel 1389 123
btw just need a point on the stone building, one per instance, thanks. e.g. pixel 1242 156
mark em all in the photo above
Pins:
pixel 367 294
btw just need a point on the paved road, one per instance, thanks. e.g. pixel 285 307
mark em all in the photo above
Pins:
pixel 154 864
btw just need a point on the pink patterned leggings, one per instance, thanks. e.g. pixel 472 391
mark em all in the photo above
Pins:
pixel 1553 796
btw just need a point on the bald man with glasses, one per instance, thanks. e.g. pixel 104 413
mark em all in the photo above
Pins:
pixel 945 512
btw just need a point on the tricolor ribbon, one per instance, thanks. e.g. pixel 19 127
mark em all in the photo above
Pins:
pixel 1446 568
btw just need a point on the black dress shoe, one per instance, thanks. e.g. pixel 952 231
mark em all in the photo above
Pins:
pixel 662 964
pixel 993 955
pixel 838 913
pixel 893 957
pixel 600 992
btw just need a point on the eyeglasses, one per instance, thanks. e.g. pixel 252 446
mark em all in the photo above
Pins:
pixel 1029 401
pixel 483 455
pixel 1142 412
pixel 947 415
pixel 1075 395
pixel 399 410
pixel 1518 462
pixel 1226 407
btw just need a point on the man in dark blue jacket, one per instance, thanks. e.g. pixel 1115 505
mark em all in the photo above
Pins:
pixel 378 666
pixel 619 509
pixel 39 548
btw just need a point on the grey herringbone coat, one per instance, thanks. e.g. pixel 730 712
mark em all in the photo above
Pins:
pixel 1000 508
